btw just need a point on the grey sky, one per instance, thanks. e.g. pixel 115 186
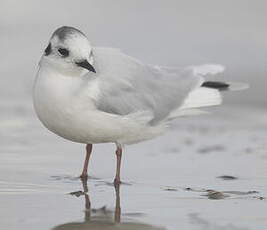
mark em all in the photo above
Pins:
pixel 174 33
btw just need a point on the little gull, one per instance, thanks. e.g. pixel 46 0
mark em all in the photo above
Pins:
pixel 95 95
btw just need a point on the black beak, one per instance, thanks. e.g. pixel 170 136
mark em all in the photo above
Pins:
pixel 85 64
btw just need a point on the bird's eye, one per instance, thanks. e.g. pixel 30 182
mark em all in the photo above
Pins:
pixel 48 50
pixel 63 52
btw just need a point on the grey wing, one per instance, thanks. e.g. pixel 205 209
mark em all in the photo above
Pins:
pixel 128 86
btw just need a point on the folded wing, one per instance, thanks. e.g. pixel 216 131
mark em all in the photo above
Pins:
pixel 127 86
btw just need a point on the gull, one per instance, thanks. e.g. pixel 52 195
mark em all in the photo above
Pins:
pixel 93 95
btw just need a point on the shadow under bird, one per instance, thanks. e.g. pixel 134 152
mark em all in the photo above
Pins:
pixel 95 95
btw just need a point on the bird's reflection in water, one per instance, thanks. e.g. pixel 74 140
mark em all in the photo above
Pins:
pixel 103 218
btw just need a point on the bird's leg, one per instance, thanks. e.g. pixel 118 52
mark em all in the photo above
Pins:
pixel 117 216
pixel 117 179
pixel 84 174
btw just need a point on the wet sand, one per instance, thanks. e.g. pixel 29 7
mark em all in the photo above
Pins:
pixel 208 172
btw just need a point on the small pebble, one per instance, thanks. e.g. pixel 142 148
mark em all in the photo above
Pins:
pixel 170 189
pixel 215 195
pixel 227 177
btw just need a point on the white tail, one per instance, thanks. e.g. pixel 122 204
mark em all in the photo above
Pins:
pixel 234 86
pixel 208 69
pixel 202 97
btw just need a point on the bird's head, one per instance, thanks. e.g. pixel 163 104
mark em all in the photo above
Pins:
pixel 69 51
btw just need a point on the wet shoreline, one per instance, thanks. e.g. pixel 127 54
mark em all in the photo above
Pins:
pixel 207 172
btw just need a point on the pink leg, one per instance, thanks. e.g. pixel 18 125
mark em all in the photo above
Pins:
pixel 117 216
pixel 84 174
pixel 117 179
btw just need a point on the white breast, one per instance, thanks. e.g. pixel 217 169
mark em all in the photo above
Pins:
pixel 61 101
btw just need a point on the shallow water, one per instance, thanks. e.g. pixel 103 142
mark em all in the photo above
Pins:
pixel 208 172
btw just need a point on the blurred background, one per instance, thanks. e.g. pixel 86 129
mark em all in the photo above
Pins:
pixel 169 175
pixel 170 32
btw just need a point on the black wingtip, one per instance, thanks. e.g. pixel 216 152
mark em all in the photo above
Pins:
pixel 216 85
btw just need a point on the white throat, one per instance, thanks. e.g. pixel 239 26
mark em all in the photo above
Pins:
pixel 47 64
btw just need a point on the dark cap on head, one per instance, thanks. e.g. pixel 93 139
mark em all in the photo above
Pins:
pixel 64 31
